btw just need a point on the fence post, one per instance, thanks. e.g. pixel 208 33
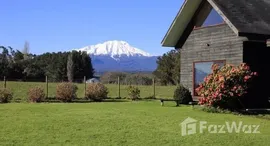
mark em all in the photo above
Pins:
pixel 5 82
pixel 154 87
pixel 47 87
pixel 119 94
pixel 84 81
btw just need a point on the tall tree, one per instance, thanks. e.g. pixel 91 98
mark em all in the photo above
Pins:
pixel 4 61
pixel 26 49
pixel 168 70
pixel 87 65
pixel 70 68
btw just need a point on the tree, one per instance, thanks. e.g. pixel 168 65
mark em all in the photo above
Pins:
pixel 87 65
pixel 168 70
pixel 25 51
pixel 70 68
pixel 4 61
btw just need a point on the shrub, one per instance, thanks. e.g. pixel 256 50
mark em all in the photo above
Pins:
pixel 96 91
pixel 36 94
pixel 224 87
pixel 5 95
pixel 183 95
pixel 66 92
pixel 133 92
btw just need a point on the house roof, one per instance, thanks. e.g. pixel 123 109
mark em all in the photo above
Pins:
pixel 248 16
pixel 245 17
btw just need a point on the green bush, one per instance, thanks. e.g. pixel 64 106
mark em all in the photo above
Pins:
pixel 96 91
pixel 183 95
pixel 133 92
pixel 36 94
pixel 66 92
pixel 5 95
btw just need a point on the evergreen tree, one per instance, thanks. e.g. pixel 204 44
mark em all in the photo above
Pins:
pixel 168 70
pixel 70 68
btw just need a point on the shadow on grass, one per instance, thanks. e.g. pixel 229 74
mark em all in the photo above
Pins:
pixel 86 101
pixel 77 100
pixel 258 113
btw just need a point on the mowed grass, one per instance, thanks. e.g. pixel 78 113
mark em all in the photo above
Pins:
pixel 117 123
pixel 20 90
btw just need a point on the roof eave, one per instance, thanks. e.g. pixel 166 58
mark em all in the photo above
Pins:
pixel 186 12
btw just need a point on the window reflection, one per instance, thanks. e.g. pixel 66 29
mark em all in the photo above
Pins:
pixel 213 18
pixel 201 70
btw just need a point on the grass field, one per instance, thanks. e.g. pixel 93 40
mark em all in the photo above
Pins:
pixel 117 123
pixel 20 90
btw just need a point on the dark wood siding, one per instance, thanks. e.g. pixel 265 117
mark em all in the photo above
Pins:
pixel 209 43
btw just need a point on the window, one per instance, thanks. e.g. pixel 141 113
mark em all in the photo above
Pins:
pixel 201 70
pixel 213 19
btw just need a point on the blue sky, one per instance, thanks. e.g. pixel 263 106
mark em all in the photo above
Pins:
pixel 61 25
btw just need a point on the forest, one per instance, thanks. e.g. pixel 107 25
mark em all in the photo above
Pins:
pixel 60 66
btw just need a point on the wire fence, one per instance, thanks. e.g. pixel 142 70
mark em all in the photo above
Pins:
pixel 20 88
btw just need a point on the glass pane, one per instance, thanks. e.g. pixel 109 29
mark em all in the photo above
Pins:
pixel 202 69
pixel 213 18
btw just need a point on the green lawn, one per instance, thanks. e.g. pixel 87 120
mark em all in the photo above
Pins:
pixel 20 90
pixel 116 123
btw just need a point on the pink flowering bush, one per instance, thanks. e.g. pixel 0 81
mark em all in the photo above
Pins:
pixel 224 87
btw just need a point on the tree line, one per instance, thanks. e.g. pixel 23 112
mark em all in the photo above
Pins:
pixel 60 66
pixel 127 78
pixel 71 66
pixel 167 73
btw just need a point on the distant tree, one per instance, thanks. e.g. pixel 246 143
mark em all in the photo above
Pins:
pixel 127 78
pixel 4 61
pixel 87 65
pixel 25 51
pixel 18 56
pixel 34 72
pixel 70 68
pixel 168 70
pixel 112 77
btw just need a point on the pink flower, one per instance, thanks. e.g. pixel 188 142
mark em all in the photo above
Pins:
pixel 255 74
pixel 205 79
pixel 246 78
pixel 221 78
pixel 222 86
pixel 246 67
pixel 220 94
pixel 240 87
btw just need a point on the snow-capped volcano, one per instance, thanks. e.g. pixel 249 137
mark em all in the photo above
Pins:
pixel 114 49
pixel 119 56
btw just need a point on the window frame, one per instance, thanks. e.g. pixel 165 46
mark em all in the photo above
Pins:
pixel 193 73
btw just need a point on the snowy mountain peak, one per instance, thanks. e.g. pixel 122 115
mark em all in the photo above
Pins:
pixel 114 49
